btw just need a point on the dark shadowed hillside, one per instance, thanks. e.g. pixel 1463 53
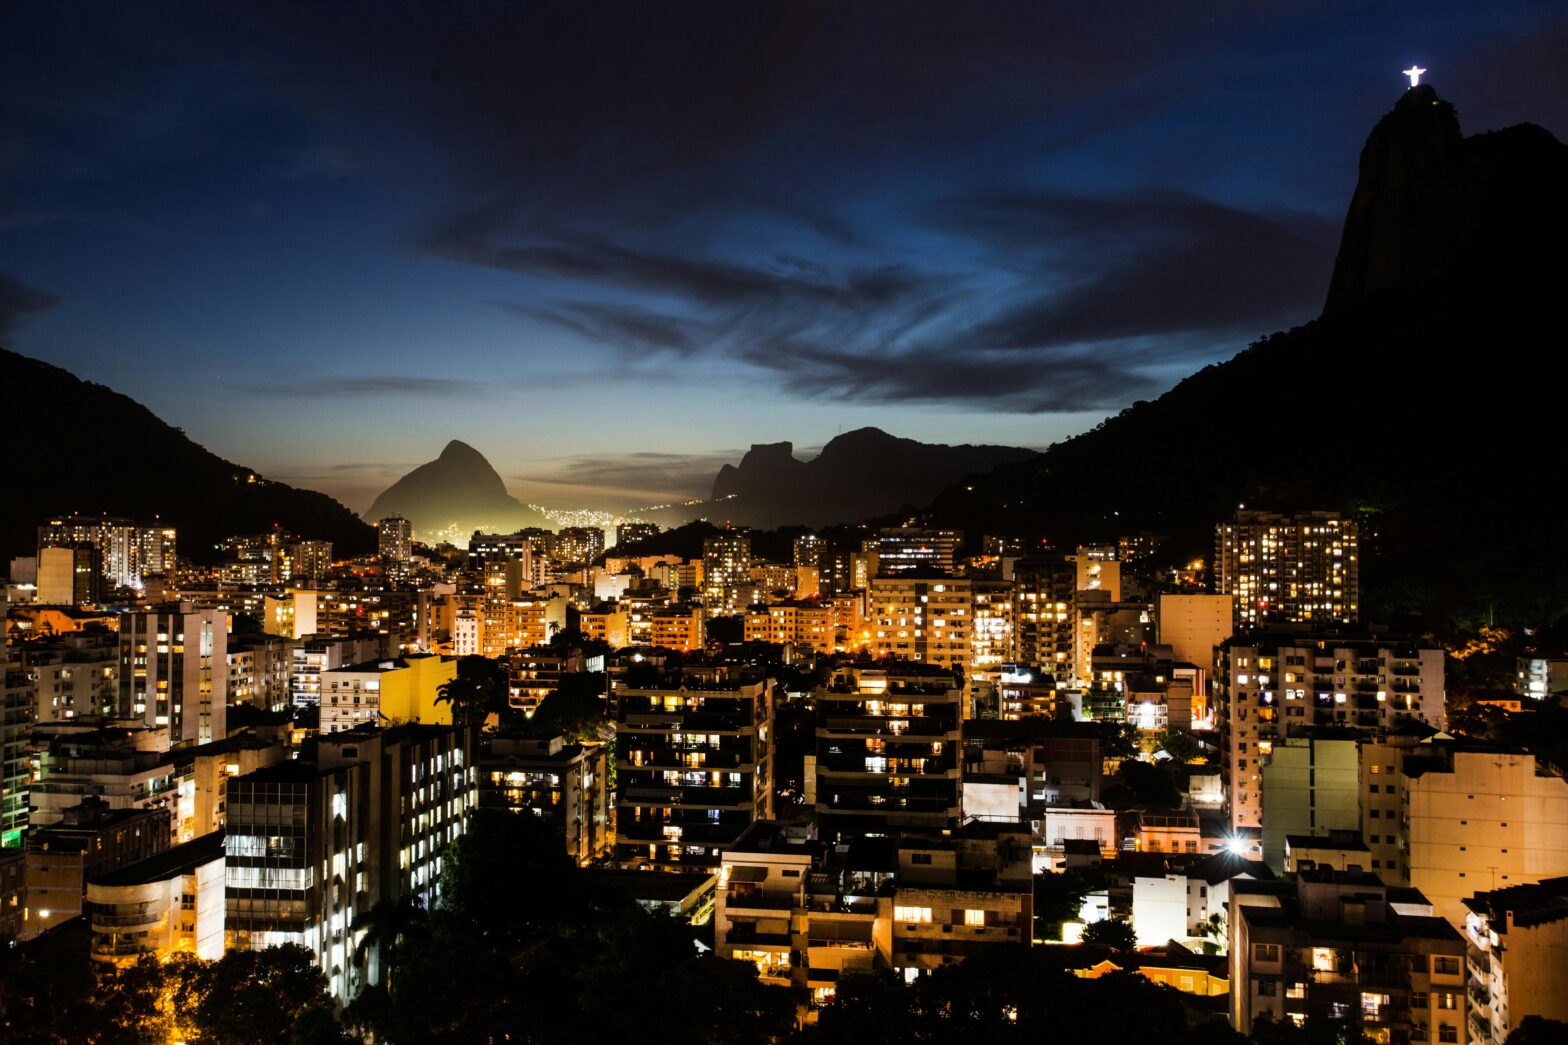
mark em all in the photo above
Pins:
pixel 74 446
pixel 1425 397
pixel 858 474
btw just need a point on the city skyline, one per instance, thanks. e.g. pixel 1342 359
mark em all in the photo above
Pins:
pixel 325 254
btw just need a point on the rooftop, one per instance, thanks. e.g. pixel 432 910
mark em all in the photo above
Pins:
pixel 167 864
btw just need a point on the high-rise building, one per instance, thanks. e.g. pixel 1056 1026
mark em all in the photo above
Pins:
pixel 579 544
pixel 810 550
pixel 1266 685
pixel 694 761
pixel 174 670
pixel 312 845
pixel 991 640
pixel 16 724
pixel 395 538
pixel 124 552
pixel 804 623
pixel 922 618
pixel 910 548
pixel 888 750
pixel 1297 569
pixel 632 532
pixel 1045 613
pixel 726 573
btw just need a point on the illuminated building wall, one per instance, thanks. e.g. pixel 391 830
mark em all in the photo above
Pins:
pixel 395 539
pixel 311 846
pixel 1262 689
pixel 16 725
pixel 1045 614
pixel 923 619
pixel 167 904
pixel 174 671
pixel 726 574
pixel 1289 568
pixel 402 689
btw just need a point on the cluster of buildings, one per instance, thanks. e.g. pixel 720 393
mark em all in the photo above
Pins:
pixel 860 758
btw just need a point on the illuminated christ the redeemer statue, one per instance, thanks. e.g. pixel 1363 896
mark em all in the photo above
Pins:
pixel 1414 72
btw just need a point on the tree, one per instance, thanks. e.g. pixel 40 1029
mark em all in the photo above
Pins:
pixel 1538 1030
pixel 1180 745
pixel 1111 933
pixel 1058 897
pixel 1151 784
pixel 479 690
pixel 261 995
pixel 576 710
pixel 1118 740
pixel 1215 934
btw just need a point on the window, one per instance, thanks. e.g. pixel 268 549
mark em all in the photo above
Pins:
pixel 1372 1005
pixel 1418 1000
pixel 974 916
pixel 912 914
pixel 920 858
pixel 1323 959
pixel 1265 952
pixel 1295 991
pixel 1445 965
pixel 1447 1000
pixel 1265 986
pixel 1447 1032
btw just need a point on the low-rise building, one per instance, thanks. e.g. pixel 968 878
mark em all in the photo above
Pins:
pixel 397 690
pixel 166 904
pixel 1342 946
pixel 91 839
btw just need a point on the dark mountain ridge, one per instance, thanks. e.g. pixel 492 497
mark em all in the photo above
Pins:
pixel 1421 399
pixel 858 474
pixel 454 495
pixel 76 446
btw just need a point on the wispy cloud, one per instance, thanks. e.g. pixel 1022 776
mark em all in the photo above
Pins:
pixel 354 387
pixel 20 302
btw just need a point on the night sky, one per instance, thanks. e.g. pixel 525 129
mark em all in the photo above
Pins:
pixel 612 245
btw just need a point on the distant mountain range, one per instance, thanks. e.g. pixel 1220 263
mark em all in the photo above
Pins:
pixel 1422 399
pixel 449 498
pixel 858 475
pixel 74 446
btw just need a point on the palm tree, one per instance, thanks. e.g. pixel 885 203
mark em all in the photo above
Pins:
pixel 473 696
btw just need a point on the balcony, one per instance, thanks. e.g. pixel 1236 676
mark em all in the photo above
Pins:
pixel 735 899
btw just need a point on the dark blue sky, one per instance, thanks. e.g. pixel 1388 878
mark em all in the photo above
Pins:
pixel 611 245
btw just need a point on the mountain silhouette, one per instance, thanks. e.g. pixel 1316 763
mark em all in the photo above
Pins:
pixel 75 446
pixel 1418 400
pixel 451 497
pixel 858 474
